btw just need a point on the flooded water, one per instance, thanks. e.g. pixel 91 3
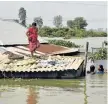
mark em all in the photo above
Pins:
pixel 89 90
pixel 95 42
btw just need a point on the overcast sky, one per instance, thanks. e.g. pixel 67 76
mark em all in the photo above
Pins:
pixel 94 12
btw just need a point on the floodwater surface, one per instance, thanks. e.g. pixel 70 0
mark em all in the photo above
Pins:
pixel 94 42
pixel 89 90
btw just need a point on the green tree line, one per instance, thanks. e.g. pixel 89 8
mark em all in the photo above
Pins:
pixel 74 28
pixel 68 33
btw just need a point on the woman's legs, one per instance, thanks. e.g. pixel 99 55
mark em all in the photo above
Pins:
pixel 31 54
pixel 33 47
pixel 33 51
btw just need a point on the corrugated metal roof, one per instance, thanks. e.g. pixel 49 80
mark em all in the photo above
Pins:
pixel 69 50
pixel 42 50
pixel 63 63
pixel 13 33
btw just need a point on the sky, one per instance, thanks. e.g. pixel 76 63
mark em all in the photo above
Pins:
pixel 95 12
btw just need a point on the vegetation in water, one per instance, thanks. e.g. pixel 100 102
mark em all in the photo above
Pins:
pixel 101 54
pixel 74 28
pixel 63 43
pixel 68 33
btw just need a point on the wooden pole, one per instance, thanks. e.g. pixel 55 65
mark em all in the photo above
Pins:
pixel 86 53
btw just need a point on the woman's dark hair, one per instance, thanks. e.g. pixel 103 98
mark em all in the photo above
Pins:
pixel 101 68
pixel 34 24
pixel 92 68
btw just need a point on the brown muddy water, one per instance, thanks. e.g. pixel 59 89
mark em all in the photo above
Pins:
pixel 89 90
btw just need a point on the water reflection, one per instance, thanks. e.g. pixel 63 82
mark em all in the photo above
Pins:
pixel 61 96
pixel 32 98
pixel 96 89
pixel 90 90
pixel 85 93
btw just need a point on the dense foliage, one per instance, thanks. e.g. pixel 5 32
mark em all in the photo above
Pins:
pixel 78 22
pixel 69 32
pixel 63 43
pixel 101 54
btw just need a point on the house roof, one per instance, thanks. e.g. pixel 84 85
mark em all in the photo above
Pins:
pixel 31 65
pixel 13 33
pixel 44 49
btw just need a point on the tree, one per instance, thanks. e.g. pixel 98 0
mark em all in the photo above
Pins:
pixel 22 16
pixel 39 21
pixel 70 23
pixel 45 31
pixel 58 21
pixel 79 23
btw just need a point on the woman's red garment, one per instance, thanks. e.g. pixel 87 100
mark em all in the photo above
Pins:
pixel 33 41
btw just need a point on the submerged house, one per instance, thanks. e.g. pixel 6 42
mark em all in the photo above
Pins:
pixel 13 42
pixel 46 67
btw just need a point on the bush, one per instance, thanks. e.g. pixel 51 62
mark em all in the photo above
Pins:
pixel 63 43
pixel 80 33
pixel 59 33
pixel 45 31
pixel 101 54
pixel 68 33
pixel 93 33
pixel 71 32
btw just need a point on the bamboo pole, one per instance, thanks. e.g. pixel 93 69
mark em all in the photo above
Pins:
pixel 86 54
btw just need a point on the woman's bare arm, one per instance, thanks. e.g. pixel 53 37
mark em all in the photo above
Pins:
pixel 27 33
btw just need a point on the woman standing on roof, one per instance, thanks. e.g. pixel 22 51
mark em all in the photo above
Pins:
pixel 32 35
